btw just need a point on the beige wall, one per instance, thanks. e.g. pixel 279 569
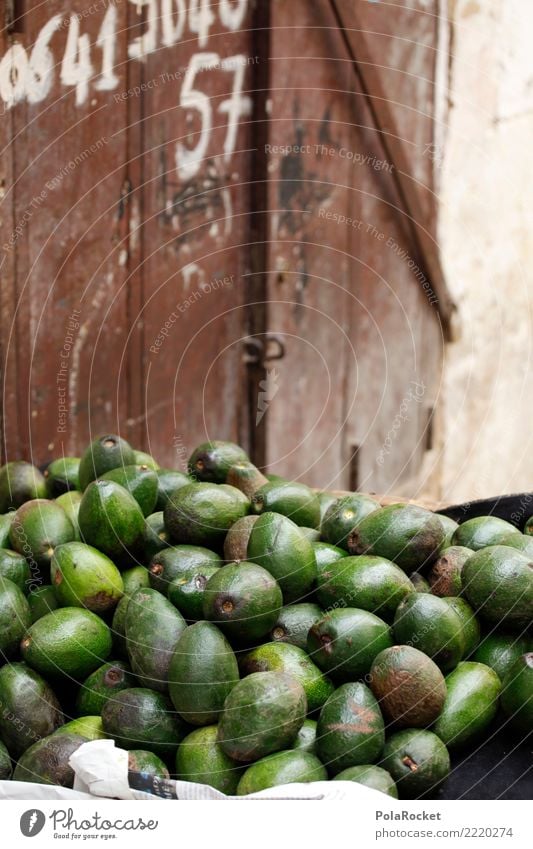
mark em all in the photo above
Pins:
pixel 486 237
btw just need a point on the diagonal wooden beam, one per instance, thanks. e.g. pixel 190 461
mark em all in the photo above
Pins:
pixel 370 81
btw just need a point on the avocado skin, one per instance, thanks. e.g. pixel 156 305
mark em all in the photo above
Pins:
pixel 517 694
pixel 282 657
pixel 20 482
pixel 528 527
pixel 350 728
pixel 471 626
pixel 111 520
pixel 499 651
pixel 84 577
pixel 136 578
pixel 105 453
pixel 306 737
pixel 473 692
pixel 200 759
pixel 243 599
pixel 47 761
pixel 29 708
pixel 141 718
pixel 144 459
pixel 203 671
pixel 236 540
pixel 140 481
pixel 186 591
pixel 404 533
pixel 70 502
pixel 445 574
pixel 420 583
pixel 326 499
pixel 294 622
pixel 168 482
pixel 521 542
pixel 246 477
pixel 366 582
pixel 417 760
pixel 118 627
pixel 62 475
pixel 38 527
pixel 152 628
pixel 449 527
pixel 482 531
pixel 139 760
pixel 344 515
pixel 69 641
pixel 289 767
pixel 326 555
pixel 15 617
pixel 202 513
pixel 14 567
pixel 295 500
pixel 431 625
pixel 5 526
pixel 498 583
pixel 88 727
pixel 175 560
pixel 262 714
pixel 155 536
pixel 345 642
pixel 6 769
pixel 211 461
pixel 102 685
pixel 370 776
pixel 42 600
pixel 278 545
pixel 409 687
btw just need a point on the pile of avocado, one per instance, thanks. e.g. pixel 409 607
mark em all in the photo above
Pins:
pixel 245 631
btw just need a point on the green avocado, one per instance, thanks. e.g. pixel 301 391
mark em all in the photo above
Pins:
pixel 103 684
pixel 449 527
pixel 404 533
pixel 246 477
pixel 528 527
pixel 420 583
pixel 105 453
pixel 262 714
pixel 168 482
pixel 517 695
pixel 408 685
pixel 118 627
pixel 15 617
pixel 243 599
pixel 140 718
pixel 84 577
pixel 350 728
pixel 88 727
pixel 38 527
pixel 14 567
pixel 418 762
pixel 445 574
pixel 141 458
pixel 290 767
pixel 42 600
pixel 326 499
pixel 70 502
pixel 499 651
pixel 47 760
pixel 201 760
pixel 278 545
pixel 140 481
pixel 236 540
pixel 473 692
pixel 203 671
pixel 139 760
pixel 482 531
pixel 371 776
pixel 62 476
pixel 175 561
pixel 202 513
pixel 111 520
pixel 306 737
pixel 498 583
pixel 153 627
pixel 295 500
pixel 186 591
pixel 344 515
pixel 69 641
pixel 5 526
pixel 366 582
pixel 282 657
pixel 431 625
pixel 521 542
pixel 293 623
pixel 155 536
pixel 6 769
pixel 325 556
pixel 135 578
pixel 20 482
pixel 29 709
pixel 471 626
pixel 211 461
pixel 345 642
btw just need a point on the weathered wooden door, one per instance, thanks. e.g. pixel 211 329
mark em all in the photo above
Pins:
pixel 205 232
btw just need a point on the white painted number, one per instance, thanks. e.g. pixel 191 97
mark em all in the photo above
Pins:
pixel 172 31
pixel 238 105
pixel 232 14
pixel 189 160
pixel 107 41
pixel 76 68
pixel 146 43
pixel 200 20
pixel 41 67
pixel 13 73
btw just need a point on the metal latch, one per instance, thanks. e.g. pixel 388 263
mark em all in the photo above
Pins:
pixel 259 350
